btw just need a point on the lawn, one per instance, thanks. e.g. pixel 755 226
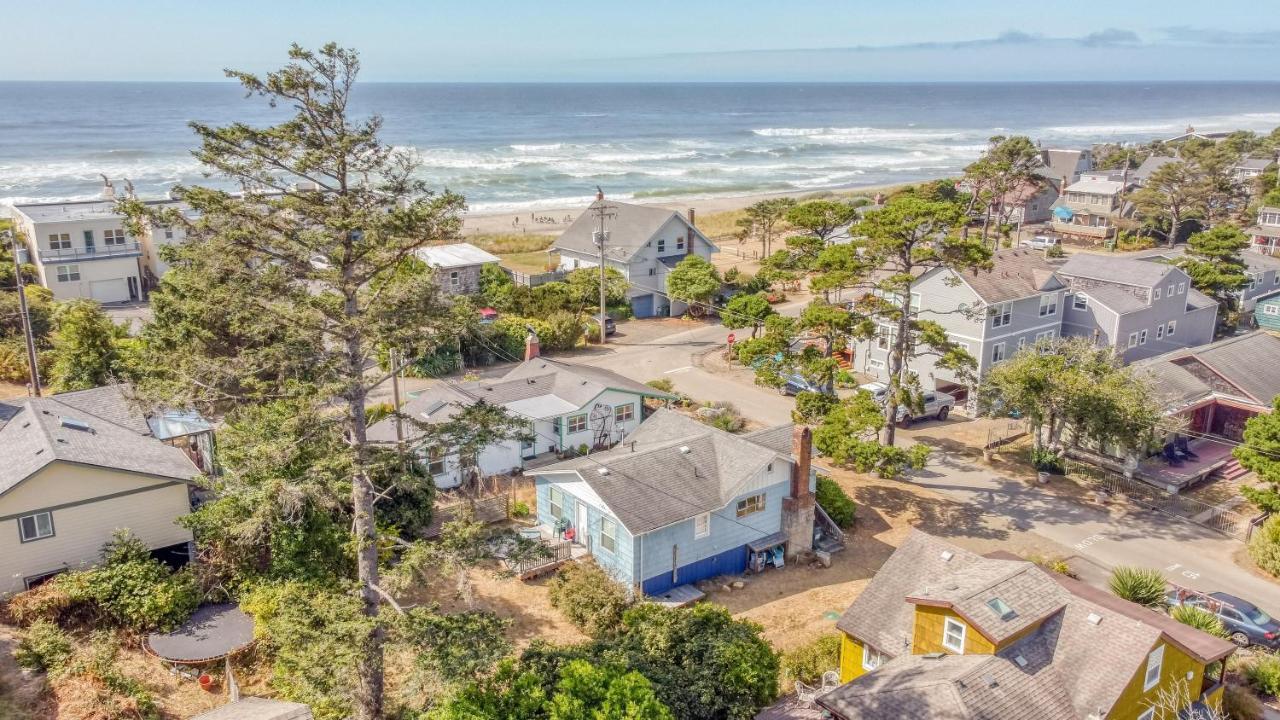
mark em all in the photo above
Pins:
pixel 510 244
pixel 529 262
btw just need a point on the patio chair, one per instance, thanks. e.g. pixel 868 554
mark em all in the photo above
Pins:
pixel 1170 455
pixel 806 694
pixel 830 681
pixel 1181 445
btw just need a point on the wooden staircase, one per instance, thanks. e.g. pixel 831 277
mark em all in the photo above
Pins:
pixel 1230 470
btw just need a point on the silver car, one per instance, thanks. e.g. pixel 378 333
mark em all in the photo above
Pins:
pixel 1040 242
pixel 937 404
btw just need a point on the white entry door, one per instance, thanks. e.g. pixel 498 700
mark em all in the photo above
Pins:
pixel 109 291
pixel 580 525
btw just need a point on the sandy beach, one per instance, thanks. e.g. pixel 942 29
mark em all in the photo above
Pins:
pixel 497 223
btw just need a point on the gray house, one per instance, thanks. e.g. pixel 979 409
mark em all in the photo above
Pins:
pixel 1063 167
pixel 644 243
pixel 1149 166
pixel 1264 273
pixel 457 266
pixel 1141 308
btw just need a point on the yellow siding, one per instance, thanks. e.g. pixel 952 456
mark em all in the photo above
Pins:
pixel 80 531
pixel 927 636
pixel 1173 676
pixel 1215 698
pixel 850 658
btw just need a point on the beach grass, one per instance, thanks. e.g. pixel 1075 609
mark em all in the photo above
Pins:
pixel 529 262
pixel 511 243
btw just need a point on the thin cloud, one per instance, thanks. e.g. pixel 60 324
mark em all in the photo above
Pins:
pixel 1185 34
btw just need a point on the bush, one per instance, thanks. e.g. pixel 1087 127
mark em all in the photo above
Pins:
pixel 1054 251
pixel 812 407
pixel 1264 547
pixel 1239 703
pixel 589 598
pixel 1143 586
pixel 662 385
pixel 1046 460
pixel 49 601
pixel 1056 565
pixel 1200 619
pixel 44 646
pixel 520 509
pixel 728 418
pixel 836 502
pixel 1264 674
pixel 807 662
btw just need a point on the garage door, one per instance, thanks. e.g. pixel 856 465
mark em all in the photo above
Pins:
pixel 109 291
pixel 642 306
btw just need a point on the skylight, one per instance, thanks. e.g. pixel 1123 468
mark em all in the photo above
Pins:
pixel 74 424
pixel 1000 608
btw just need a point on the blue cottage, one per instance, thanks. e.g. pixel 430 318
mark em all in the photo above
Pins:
pixel 678 501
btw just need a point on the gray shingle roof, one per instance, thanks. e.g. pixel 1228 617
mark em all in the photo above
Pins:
pixel 1242 366
pixel 1150 165
pixel 1015 274
pixel 1059 164
pixel 776 438
pixel 113 403
pixel 669 469
pixel 36 436
pixel 1116 299
pixel 1121 270
pixel 629 229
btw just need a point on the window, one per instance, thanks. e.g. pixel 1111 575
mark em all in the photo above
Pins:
pixel 1254 281
pixel 1271 309
pixel 953 636
pixel 435 463
pixel 1022 342
pixel 608 534
pixel 60 241
pixel 1142 337
pixel 1173 325
pixel 1154 661
pixel 67 273
pixel 1048 305
pixel 1001 315
pixel 1159 331
pixel 1133 339
pixel 577 423
pixel 871 659
pixel 884 338
pixel 751 505
pixel 875 364
pixel 555 502
pixel 997 352
pixel 680 243
pixel 652 272
pixel 624 413
pixel 1080 302
pixel 36 527
pixel 662 246
pixel 1148 714
pixel 455 279
pixel 112 237
pixel 702 525
pixel 1275 279
pixel 168 233
pixel 1044 336
pixel 1182 287
pixel 88 240
pixel 1156 294
pixel 915 302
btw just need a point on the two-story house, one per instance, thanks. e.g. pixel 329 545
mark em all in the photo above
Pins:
pixel 679 501
pixel 1149 166
pixel 1061 167
pixel 1139 307
pixel 568 407
pixel 82 249
pixel 1091 206
pixel 457 266
pixel 1263 272
pixel 644 242
pixel 946 634
pixel 76 467
pixel 1266 234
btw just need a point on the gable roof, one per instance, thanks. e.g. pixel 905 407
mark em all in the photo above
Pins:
pixel 1119 270
pixel 1242 366
pixel 1078 649
pixel 630 228
pixel 456 255
pixel 538 388
pixel 1014 274
pixel 669 469
pixel 1059 164
pixel 1094 186
pixel 45 430
pixel 1150 165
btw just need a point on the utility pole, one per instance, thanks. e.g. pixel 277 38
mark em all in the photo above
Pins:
pixel 33 371
pixel 601 238
pixel 395 396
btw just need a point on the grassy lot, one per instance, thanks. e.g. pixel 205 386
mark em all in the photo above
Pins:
pixel 509 244
pixel 529 262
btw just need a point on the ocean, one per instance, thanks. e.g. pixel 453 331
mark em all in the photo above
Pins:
pixel 514 146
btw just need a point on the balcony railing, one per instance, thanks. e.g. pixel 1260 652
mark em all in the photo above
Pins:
pixel 98 251
pixel 1093 231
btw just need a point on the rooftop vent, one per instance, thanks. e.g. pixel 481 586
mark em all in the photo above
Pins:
pixel 947 555
pixel 1000 608
pixel 1022 662
pixel 603 470
pixel 684 449
pixel 74 424
pixel 990 680
pixel 934 656
pixel 1094 619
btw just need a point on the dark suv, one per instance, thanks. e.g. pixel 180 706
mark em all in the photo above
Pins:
pixel 1246 623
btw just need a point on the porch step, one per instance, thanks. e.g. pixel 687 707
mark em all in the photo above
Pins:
pixel 1232 470
pixel 829 545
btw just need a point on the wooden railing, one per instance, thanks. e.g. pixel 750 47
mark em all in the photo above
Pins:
pixel 560 552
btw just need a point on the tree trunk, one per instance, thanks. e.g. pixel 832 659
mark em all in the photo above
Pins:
pixel 1175 222
pixel 897 366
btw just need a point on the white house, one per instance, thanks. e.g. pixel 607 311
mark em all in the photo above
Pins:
pixel 82 249
pixel 569 406
pixel 644 243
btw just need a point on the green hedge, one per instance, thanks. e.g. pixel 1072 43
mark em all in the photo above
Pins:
pixel 836 502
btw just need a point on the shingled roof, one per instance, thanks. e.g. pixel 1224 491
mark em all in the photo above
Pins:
pixel 630 228
pixel 1241 367
pixel 1123 271
pixel 1014 274
pixel 669 469
pixel 1074 648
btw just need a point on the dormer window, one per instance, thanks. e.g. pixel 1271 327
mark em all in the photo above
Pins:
pixel 1080 302
pixel 953 636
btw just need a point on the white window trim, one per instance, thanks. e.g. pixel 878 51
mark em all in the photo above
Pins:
pixel 555 507
pixel 875 363
pixel 628 408
pixel 1271 309
pixel 1051 308
pixel 1155 661
pixel 997 349
pixel 1133 339
pixel 1182 287
pixel 947 625
pixel 1168 331
pixel 989 338
pixel 1080 302
pixel 1001 315
pixel 1157 294
pixel 871 658
pixel 1046 335
pixel 1142 336
pixel 1160 332
pixel 702 525
pixel 612 535
pixel 570 422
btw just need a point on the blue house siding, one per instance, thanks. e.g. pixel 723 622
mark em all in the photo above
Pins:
pixel 620 562
pixel 723 551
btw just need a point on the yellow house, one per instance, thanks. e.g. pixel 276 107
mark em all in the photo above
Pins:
pixel 73 471
pixel 943 633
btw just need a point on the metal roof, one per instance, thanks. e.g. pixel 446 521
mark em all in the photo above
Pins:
pixel 457 255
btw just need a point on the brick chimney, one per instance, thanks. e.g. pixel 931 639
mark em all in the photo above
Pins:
pixel 692 217
pixel 798 508
pixel 531 349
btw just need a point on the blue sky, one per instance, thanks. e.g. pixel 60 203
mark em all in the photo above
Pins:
pixel 659 40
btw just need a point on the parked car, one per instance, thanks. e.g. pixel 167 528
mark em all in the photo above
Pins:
pixel 795 384
pixel 879 391
pixel 1246 623
pixel 1040 242
pixel 610 327
pixel 937 404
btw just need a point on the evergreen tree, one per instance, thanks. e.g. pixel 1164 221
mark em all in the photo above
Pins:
pixel 694 280
pixel 1216 268
pixel 1260 452
pixel 84 347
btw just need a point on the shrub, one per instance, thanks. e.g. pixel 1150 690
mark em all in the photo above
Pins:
pixel 1054 251
pixel 1264 674
pixel 589 598
pixel 728 418
pixel 520 509
pixel 1239 703
pixel 812 407
pixel 1046 460
pixel 377 412
pixel 49 601
pixel 836 502
pixel 134 590
pixel 1143 586
pixel 1200 619
pixel 807 662
pixel 1264 547
pixel 662 385
pixel 1057 565
pixel 44 646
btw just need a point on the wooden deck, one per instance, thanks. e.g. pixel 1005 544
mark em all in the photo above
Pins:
pixel 678 596
pixel 1211 456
